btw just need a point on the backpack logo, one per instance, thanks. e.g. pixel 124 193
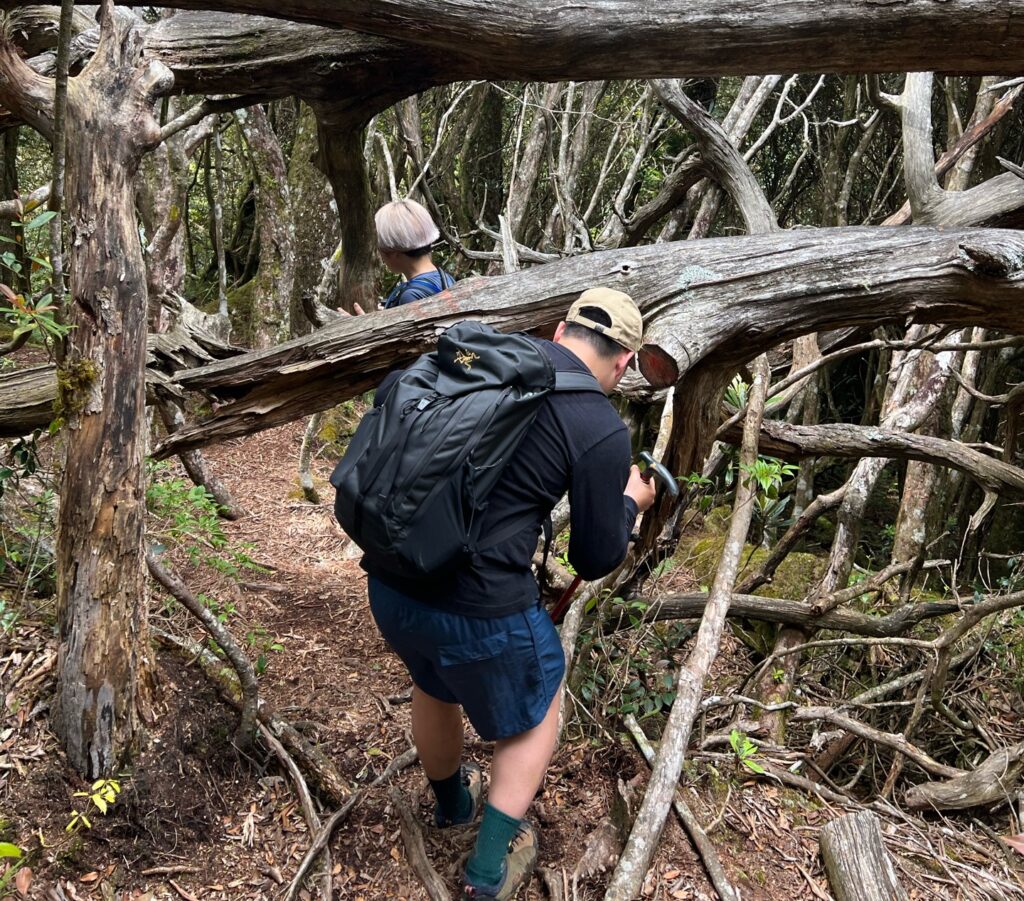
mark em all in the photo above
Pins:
pixel 466 358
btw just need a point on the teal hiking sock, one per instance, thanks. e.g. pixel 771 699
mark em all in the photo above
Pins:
pixel 453 797
pixel 487 865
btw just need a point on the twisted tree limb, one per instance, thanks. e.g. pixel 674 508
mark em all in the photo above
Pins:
pixel 889 740
pixel 988 783
pixel 793 613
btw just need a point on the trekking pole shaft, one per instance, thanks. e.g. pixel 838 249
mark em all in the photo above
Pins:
pixel 559 610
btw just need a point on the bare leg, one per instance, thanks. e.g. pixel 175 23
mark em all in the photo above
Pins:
pixel 520 762
pixel 437 731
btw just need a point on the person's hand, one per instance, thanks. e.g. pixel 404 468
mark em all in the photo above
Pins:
pixel 642 492
pixel 359 312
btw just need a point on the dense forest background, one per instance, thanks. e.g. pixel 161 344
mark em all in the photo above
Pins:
pixel 832 267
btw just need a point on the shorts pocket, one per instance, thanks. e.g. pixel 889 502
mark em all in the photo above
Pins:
pixel 472 651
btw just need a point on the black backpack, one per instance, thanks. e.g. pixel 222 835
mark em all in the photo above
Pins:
pixel 412 487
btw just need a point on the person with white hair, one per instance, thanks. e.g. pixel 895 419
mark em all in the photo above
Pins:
pixel 405 234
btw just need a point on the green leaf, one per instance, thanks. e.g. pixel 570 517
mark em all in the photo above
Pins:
pixel 40 220
pixel 9 850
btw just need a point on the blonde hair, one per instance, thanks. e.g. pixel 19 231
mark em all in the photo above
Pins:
pixel 404 226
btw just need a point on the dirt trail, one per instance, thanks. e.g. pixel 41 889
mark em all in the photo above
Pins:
pixel 233 827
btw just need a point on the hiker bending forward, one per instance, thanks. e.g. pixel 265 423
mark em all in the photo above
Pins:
pixel 478 640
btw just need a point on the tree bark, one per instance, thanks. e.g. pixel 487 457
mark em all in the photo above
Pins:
pixel 101 587
pixel 858 866
pixel 341 158
pixel 535 40
pixel 275 276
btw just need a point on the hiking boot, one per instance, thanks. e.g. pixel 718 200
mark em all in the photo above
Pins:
pixel 473 779
pixel 519 864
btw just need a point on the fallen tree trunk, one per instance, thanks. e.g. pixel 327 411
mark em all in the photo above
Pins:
pixel 27 395
pixel 858 866
pixel 536 40
pixel 26 400
pixel 713 303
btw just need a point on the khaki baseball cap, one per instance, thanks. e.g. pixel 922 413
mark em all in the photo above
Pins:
pixel 627 325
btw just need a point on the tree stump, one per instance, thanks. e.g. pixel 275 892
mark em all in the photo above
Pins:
pixel 858 866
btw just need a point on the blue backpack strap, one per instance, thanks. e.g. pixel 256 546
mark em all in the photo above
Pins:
pixel 444 281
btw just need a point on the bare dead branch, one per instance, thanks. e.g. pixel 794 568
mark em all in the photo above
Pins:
pixel 703 845
pixel 893 741
pixel 219 633
pixel 793 613
pixel 323 837
pixel 632 867
pixel 844 440
pixel 305 800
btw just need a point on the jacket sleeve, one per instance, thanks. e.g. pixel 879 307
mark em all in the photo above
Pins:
pixel 601 516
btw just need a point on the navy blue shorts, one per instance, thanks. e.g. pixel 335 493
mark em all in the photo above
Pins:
pixel 503 671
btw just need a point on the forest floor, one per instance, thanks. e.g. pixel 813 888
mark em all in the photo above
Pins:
pixel 197 820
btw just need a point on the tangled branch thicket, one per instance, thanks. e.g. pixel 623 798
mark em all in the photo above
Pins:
pixel 875 639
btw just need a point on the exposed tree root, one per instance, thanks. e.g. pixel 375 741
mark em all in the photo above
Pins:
pixel 220 634
pixel 412 836
pixel 306 801
pixel 323 837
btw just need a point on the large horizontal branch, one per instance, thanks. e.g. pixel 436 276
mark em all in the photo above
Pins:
pixel 723 301
pixel 26 400
pixel 793 613
pixel 539 40
pixel 844 440
pixel 27 395
pixel 217 53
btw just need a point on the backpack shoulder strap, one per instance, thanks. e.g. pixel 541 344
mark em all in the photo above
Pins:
pixel 576 381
